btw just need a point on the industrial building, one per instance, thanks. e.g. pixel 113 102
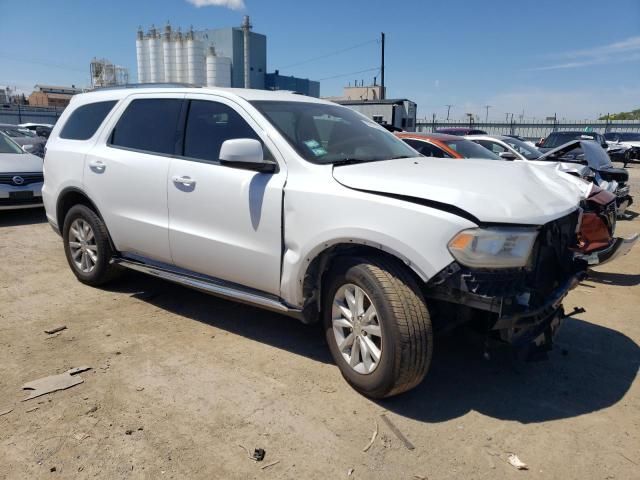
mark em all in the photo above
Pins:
pixel 106 74
pixel 371 101
pixel 399 113
pixel 52 96
pixel 225 57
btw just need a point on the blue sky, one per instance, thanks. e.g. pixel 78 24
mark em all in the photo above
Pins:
pixel 574 58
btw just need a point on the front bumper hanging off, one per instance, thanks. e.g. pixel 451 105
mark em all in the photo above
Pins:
pixel 502 298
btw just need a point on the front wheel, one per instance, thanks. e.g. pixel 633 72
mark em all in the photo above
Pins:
pixel 377 326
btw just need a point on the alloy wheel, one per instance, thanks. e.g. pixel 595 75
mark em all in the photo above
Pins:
pixel 82 244
pixel 356 328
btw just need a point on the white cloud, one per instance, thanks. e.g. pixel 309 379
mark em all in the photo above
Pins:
pixel 624 51
pixel 232 4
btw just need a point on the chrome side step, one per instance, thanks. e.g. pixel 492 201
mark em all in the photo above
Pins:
pixel 211 286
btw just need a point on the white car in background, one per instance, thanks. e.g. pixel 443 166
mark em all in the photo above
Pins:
pixel 21 176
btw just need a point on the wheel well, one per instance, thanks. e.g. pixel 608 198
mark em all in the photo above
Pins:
pixel 68 200
pixel 323 263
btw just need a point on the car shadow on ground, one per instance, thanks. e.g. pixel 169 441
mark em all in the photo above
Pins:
pixel 27 216
pixel 591 367
pixel 619 279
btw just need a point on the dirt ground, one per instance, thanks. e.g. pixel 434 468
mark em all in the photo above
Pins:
pixel 179 380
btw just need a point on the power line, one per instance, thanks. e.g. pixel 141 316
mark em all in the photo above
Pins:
pixel 351 73
pixel 43 63
pixel 337 52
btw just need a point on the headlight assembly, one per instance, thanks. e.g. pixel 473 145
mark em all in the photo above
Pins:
pixel 493 247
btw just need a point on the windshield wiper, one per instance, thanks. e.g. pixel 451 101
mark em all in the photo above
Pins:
pixel 351 161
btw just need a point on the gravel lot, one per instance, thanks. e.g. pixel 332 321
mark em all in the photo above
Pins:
pixel 179 380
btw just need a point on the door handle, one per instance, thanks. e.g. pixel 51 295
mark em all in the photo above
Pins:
pixel 184 180
pixel 97 166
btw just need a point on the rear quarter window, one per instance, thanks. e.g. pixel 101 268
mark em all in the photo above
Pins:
pixel 85 120
pixel 149 125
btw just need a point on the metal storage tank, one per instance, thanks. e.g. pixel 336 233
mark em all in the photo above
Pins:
pixel 168 55
pixel 218 70
pixel 195 60
pixel 180 58
pixel 141 55
pixel 156 59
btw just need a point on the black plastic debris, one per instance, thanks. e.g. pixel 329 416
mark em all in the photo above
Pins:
pixel 258 454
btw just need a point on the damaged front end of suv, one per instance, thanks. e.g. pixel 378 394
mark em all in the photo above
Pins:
pixel 509 283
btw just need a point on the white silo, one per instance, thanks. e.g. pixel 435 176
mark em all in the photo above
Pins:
pixel 195 60
pixel 168 55
pixel 218 70
pixel 141 56
pixel 156 58
pixel 180 58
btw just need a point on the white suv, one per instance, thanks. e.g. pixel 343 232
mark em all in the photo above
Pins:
pixel 308 208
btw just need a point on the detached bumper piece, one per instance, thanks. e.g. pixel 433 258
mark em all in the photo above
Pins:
pixel 619 248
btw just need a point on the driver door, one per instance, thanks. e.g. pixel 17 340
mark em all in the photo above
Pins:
pixel 224 222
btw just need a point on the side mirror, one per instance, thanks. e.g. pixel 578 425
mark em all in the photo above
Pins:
pixel 538 143
pixel 245 153
pixel 507 156
pixel 27 148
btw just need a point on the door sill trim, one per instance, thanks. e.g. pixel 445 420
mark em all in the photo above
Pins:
pixel 210 285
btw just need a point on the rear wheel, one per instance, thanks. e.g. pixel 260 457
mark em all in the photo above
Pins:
pixel 87 247
pixel 377 326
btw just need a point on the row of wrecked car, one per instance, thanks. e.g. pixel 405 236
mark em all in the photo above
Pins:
pixel 606 193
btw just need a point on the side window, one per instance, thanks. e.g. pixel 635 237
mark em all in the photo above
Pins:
pixel 427 149
pixel 209 124
pixel 85 120
pixel 494 147
pixel 150 125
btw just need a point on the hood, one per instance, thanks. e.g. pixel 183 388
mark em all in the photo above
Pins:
pixel 580 151
pixel 567 167
pixel 488 192
pixel 623 144
pixel 19 163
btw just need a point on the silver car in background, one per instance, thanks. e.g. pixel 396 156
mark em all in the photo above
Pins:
pixel 24 137
pixel 21 176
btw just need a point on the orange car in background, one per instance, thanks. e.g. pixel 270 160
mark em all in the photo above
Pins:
pixel 440 145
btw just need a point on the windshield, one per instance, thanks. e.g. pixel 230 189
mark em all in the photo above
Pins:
pixel 8 146
pixel 560 138
pixel 324 134
pixel 524 149
pixel 469 149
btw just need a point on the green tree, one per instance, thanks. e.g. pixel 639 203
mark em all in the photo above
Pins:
pixel 632 115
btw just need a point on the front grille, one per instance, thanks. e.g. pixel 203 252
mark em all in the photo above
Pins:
pixel 12 202
pixel 27 178
pixel 552 261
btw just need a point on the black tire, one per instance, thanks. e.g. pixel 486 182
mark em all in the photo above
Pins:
pixel 407 337
pixel 103 270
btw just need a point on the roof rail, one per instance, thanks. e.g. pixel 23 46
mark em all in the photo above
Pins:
pixel 147 85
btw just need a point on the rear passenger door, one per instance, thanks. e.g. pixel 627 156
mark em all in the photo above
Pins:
pixel 126 173
pixel 225 222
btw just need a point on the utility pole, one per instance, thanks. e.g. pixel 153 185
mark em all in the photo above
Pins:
pixel 486 116
pixel 448 110
pixel 382 92
pixel 246 32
